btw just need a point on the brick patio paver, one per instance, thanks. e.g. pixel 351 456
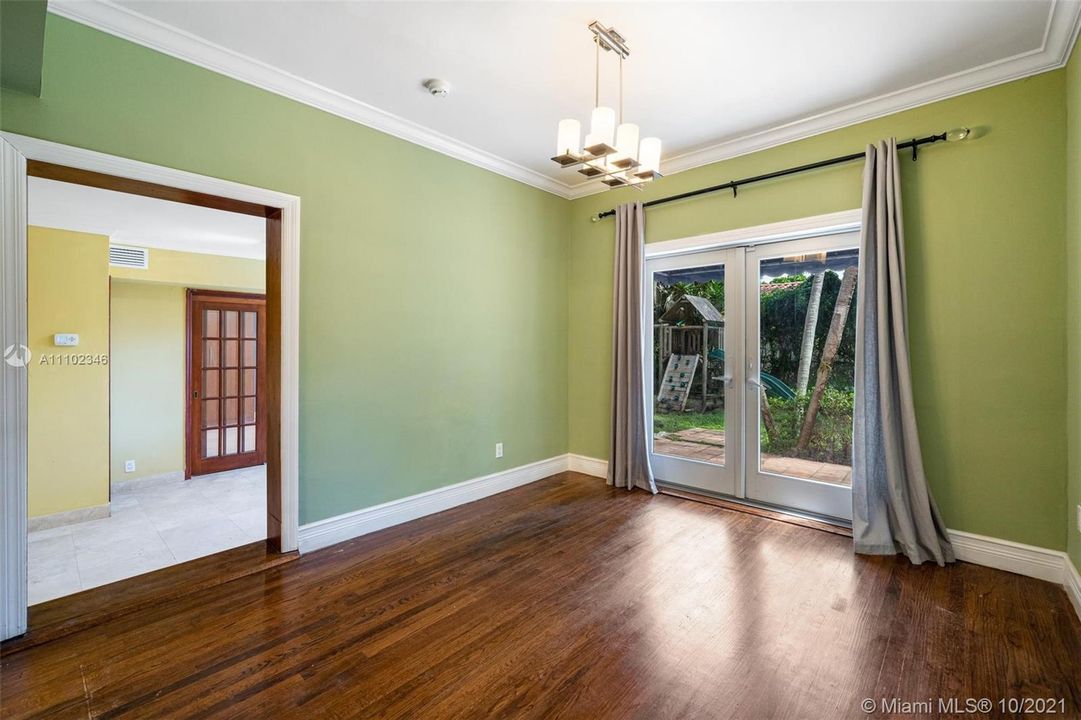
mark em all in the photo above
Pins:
pixel 708 445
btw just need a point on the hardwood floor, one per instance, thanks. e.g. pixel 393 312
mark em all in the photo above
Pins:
pixel 72 613
pixel 565 598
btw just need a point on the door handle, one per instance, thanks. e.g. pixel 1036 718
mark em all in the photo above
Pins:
pixel 755 382
pixel 726 379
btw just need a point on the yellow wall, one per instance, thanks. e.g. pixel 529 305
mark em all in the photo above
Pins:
pixel 86 420
pixel 148 340
pixel 198 270
pixel 68 291
pixel 147 410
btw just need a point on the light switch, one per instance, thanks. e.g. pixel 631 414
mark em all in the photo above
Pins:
pixel 65 339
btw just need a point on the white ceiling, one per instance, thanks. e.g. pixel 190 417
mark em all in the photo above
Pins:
pixel 711 79
pixel 146 222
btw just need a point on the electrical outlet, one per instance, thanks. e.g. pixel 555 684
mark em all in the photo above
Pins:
pixel 499 450
pixel 1079 518
pixel 129 466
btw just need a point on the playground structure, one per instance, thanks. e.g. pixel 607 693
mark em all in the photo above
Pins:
pixel 694 327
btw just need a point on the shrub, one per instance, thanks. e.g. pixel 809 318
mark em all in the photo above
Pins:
pixel 831 439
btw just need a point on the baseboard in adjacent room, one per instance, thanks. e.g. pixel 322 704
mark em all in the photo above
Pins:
pixel 68 517
pixel 340 528
pixel 122 486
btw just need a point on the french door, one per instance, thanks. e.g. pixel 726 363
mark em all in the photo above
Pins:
pixel 693 369
pixel 227 380
pixel 750 354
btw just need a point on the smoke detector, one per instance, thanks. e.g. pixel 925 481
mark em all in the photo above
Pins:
pixel 437 87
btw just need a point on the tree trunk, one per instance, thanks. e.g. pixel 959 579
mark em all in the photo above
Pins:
pixel 767 418
pixel 829 352
pixel 810 326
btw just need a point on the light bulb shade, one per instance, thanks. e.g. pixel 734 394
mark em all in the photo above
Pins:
pixel 627 141
pixel 649 154
pixel 570 132
pixel 602 125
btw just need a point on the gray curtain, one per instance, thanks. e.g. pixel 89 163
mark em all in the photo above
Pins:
pixel 892 508
pixel 628 456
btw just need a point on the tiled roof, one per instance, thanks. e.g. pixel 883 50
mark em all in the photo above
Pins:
pixel 767 288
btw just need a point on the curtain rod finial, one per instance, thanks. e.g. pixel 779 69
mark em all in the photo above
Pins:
pixel 595 218
pixel 957 134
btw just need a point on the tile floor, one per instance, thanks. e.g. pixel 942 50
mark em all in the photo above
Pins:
pixel 151 526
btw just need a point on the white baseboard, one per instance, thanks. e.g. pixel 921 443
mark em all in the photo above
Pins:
pixel 588 465
pixel 1036 562
pixel 1014 557
pixel 161 479
pixel 67 517
pixel 339 528
pixel 1072 582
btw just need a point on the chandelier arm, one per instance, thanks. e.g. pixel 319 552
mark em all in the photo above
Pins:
pixel 620 89
pixel 597 73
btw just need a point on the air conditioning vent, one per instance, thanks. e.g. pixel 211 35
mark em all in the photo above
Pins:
pixel 129 257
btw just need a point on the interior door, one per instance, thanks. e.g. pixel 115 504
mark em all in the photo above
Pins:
pixel 227 381
pixel 693 330
pixel 801 336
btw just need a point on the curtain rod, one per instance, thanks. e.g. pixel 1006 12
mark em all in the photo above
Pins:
pixel 733 185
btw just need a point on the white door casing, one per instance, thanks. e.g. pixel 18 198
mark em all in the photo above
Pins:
pixel 13 388
pixel 17 149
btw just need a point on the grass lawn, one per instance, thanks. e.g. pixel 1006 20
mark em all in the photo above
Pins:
pixel 674 422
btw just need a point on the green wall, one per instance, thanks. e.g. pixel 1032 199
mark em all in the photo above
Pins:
pixel 22 34
pixel 1073 271
pixel 984 224
pixel 433 293
pixel 444 308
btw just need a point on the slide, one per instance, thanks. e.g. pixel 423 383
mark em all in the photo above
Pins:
pixel 775 387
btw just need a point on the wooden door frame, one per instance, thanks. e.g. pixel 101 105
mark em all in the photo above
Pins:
pixel 51 160
pixel 192 295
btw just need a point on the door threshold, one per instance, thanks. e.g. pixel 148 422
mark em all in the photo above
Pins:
pixel 82 610
pixel 785 515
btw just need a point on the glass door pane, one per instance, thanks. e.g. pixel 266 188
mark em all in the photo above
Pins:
pixel 690 370
pixel 801 299
pixel 226 414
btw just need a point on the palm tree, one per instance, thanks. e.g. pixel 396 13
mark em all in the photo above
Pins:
pixel 810 325
pixel 829 352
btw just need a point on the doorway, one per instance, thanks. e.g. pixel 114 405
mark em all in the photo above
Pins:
pixel 750 365
pixel 25 157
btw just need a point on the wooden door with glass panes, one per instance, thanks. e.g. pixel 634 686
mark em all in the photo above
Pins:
pixel 226 381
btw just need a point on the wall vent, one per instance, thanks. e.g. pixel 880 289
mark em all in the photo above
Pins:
pixel 129 256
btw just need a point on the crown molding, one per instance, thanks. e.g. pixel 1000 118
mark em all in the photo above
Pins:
pixel 1060 34
pixel 142 30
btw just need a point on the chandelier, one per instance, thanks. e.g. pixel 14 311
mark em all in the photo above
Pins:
pixel 610 152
